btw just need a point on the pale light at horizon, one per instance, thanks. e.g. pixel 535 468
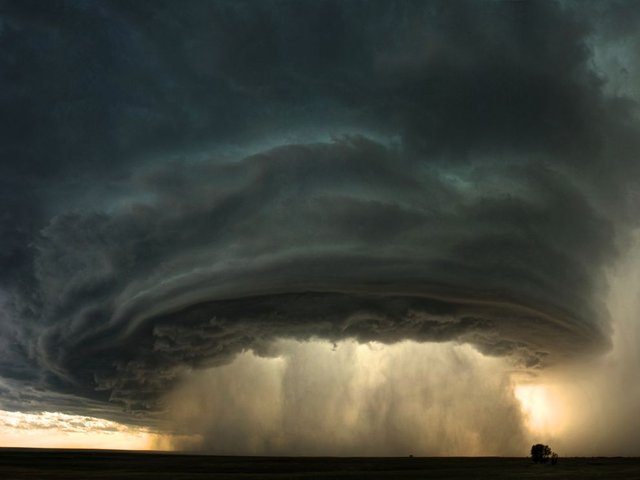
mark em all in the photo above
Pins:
pixel 59 430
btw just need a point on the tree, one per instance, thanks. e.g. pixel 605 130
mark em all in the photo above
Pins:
pixel 540 453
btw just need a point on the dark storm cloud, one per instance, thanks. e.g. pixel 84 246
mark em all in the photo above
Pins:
pixel 480 202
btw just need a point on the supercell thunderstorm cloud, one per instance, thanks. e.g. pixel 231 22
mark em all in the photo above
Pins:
pixel 227 201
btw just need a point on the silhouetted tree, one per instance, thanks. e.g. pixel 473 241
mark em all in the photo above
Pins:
pixel 540 453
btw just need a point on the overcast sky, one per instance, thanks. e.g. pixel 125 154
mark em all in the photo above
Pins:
pixel 230 203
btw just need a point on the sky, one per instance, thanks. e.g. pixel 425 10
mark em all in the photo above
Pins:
pixel 320 227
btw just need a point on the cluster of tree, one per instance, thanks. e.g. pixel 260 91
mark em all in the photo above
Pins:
pixel 542 454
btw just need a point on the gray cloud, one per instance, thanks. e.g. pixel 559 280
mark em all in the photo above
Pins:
pixel 286 248
pixel 479 181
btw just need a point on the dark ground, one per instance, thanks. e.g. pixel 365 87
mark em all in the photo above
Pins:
pixel 103 464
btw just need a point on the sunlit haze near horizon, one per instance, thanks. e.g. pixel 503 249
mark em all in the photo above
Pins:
pixel 346 228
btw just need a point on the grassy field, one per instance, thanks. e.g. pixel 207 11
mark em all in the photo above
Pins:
pixel 102 464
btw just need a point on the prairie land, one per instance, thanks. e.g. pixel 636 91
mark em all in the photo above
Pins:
pixel 104 464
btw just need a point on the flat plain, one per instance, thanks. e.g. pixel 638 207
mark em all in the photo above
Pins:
pixel 18 463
